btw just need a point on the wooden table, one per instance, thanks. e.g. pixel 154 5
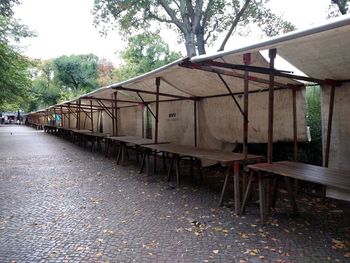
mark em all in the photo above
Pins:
pixel 50 128
pixel 124 141
pixel 94 137
pixel 307 172
pixel 37 126
pixel 228 159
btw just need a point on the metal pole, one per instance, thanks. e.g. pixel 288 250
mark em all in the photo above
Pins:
pixel 272 55
pixel 157 110
pixel 116 112
pixel 113 117
pixel 247 61
pixel 143 121
pixel 329 128
pixel 92 117
pixel 195 123
pixel 68 116
pixel 295 124
pixel 62 124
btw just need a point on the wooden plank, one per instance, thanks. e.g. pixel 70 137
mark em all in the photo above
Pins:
pixel 307 172
pixel 202 153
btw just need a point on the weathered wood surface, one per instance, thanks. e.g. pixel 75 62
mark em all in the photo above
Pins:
pixel 202 153
pixel 307 172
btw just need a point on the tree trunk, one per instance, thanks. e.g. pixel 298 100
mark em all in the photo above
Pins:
pixel 190 44
pixel 200 42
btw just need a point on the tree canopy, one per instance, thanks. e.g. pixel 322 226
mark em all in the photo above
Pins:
pixel 145 52
pixel 198 22
pixel 77 73
pixel 339 7
pixel 14 68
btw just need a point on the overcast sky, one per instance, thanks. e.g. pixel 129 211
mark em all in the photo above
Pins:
pixel 65 27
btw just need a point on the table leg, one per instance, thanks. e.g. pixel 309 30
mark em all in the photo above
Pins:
pixel 247 191
pixel 227 177
pixel 155 162
pixel 199 167
pixel 290 194
pixel 236 186
pixel 171 167
pixel 177 169
pixel 148 162
pixel 261 197
pixel 191 168
pixel 143 161
pixel 164 161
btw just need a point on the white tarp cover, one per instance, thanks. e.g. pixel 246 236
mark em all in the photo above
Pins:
pixel 320 52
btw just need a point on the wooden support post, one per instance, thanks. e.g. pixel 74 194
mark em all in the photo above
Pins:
pixel 62 120
pixel 329 126
pixel 113 117
pixel 157 110
pixel 247 61
pixel 195 123
pixel 116 112
pixel 295 124
pixel 272 55
pixel 92 117
pixel 68 116
pixel 54 111
pixel 143 121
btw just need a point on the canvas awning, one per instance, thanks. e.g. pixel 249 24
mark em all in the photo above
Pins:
pixel 320 52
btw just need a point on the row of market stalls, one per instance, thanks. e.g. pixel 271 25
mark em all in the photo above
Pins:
pixel 229 98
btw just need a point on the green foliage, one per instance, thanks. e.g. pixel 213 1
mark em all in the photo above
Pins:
pixel 14 76
pixel 338 7
pixel 76 73
pixel 313 100
pixel 14 68
pixel 198 22
pixel 6 7
pixel 145 52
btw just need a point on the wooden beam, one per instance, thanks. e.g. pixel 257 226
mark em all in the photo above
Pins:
pixel 247 61
pixel 329 128
pixel 157 110
pixel 153 93
pixel 272 55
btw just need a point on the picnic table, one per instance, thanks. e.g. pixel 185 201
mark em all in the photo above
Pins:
pixel 229 159
pixel 288 169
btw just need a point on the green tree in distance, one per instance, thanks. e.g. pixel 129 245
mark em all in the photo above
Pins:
pixel 105 72
pixel 76 74
pixel 44 91
pixel 197 22
pixel 145 52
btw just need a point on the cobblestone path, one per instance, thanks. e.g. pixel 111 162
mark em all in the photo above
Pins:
pixel 62 203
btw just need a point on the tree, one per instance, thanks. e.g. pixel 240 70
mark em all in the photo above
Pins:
pixel 339 7
pixel 198 22
pixel 76 73
pixel 105 72
pixel 44 91
pixel 145 52
pixel 14 68
pixel 6 7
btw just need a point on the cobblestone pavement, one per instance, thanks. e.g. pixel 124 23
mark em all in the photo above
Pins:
pixel 62 203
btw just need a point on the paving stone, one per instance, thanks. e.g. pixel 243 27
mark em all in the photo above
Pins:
pixel 62 203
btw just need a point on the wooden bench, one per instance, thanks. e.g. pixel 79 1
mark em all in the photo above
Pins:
pixel 301 171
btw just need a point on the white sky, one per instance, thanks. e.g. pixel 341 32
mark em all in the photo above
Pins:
pixel 65 27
